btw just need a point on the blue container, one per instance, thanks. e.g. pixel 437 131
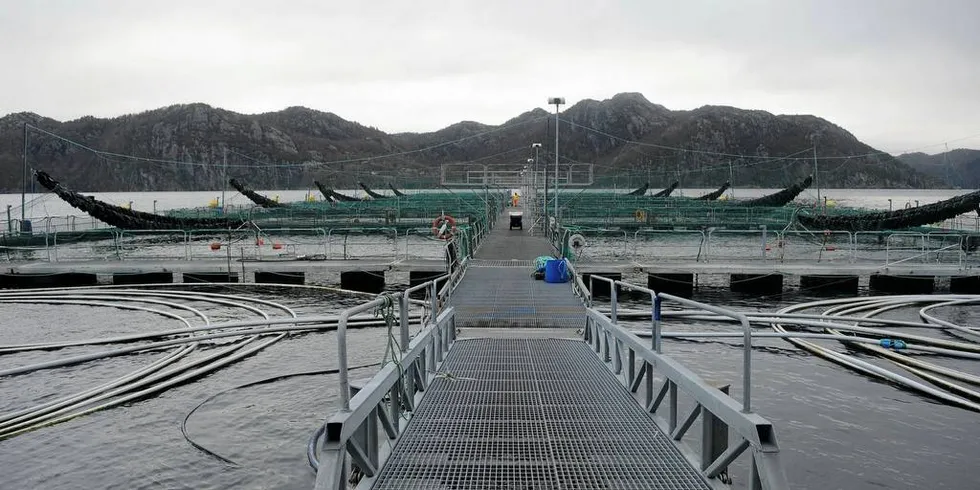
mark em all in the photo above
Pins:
pixel 555 271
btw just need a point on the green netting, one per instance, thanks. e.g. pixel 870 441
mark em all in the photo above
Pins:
pixel 471 208
pixel 633 212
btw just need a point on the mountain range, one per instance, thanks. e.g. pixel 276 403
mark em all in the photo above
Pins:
pixel 955 168
pixel 629 139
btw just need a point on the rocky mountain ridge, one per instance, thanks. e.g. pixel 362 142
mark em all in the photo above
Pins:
pixel 629 139
pixel 956 168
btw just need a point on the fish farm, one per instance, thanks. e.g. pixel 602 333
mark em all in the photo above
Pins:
pixel 530 336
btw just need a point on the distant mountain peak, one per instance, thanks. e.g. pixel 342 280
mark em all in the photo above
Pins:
pixel 956 168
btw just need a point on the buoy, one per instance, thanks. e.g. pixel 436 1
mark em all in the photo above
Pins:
pixel 444 227
pixel 213 203
pixel 276 246
pixel 215 246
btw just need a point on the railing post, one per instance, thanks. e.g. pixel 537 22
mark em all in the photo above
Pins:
pixel 432 355
pixel 403 321
pixel 755 482
pixel 433 302
pixel 714 435
pixel 617 355
pixel 612 299
pixel 656 324
pixel 672 407
pixel 342 360
pixel 631 368
pixel 746 365
pixel 605 346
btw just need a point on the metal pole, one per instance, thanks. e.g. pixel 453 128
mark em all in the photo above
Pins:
pixel 23 188
pixel 547 222
pixel 746 365
pixel 224 177
pixel 403 321
pixel 556 161
pixel 816 171
pixel 656 325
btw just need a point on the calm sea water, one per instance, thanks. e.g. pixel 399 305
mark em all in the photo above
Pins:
pixel 837 429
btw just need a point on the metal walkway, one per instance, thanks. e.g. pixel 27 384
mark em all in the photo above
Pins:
pixel 505 244
pixel 529 408
pixel 499 290
pixel 532 414
pixel 528 413
pixel 511 297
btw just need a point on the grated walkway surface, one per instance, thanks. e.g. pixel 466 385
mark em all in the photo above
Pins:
pixel 505 244
pixel 532 414
pixel 499 290
pixel 511 297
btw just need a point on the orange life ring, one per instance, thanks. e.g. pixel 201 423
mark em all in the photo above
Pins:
pixel 438 223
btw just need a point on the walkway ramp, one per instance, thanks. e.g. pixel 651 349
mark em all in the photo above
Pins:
pixel 499 290
pixel 505 244
pixel 508 411
pixel 512 406
pixel 511 297
pixel 532 414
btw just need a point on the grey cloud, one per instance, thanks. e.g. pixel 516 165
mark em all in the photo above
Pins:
pixel 898 73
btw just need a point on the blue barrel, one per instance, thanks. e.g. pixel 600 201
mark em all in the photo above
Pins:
pixel 555 271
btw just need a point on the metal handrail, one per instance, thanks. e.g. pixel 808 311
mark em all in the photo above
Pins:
pixel 747 340
pixel 381 301
pixel 353 429
pixel 578 285
pixel 656 300
pixel 403 300
pixel 719 410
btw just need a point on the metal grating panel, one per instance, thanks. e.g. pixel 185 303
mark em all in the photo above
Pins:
pixel 504 244
pixel 502 263
pixel 559 421
pixel 511 297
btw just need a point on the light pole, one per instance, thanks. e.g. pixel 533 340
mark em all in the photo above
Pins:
pixel 529 190
pixel 535 147
pixel 816 171
pixel 224 176
pixel 557 101
pixel 23 188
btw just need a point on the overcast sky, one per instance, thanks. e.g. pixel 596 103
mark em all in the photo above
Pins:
pixel 899 74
